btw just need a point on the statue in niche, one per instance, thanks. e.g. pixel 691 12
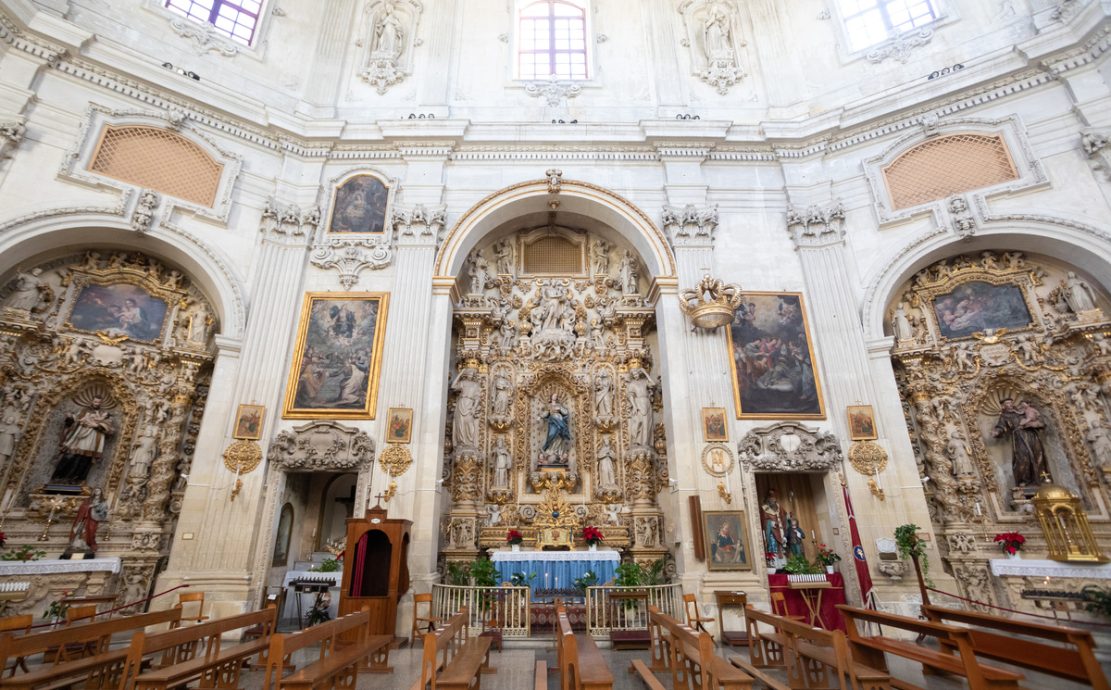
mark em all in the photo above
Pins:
pixel 599 258
pixel 502 464
pixel 9 434
pixel 597 335
pixel 772 517
pixel 194 323
pixel 629 274
pixel 639 389
pixel 503 392
pixel 607 477
pixel 30 291
pixel 146 450
pixel 557 444
pixel 83 443
pixel 795 536
pixel 493 517
pixel 958 454
pixel 551 305
pixel 504 256
pixel 613 514
pixel 479 273
pixel 716 34
pixel 1100 439
pixel 467 408
pixel 1022 422
pixel 901 325
pixel 92 511
pixel 1078 294
pixel 388 35
pixel 603 394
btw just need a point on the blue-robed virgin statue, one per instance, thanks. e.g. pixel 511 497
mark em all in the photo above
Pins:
pixel 558 441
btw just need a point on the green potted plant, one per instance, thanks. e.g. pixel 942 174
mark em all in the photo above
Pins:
pixel 798 565
pixel 909 545
pixel 458 574
pixel 827 557
pixel 328 565
pixel 588 579
pixel 1097 600
pixel 520 579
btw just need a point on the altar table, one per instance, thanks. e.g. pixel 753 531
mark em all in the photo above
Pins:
pixel 556 569
pixel 831 597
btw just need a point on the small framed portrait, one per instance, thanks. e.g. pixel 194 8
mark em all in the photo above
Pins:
pixel 714 429
pixel 726 540
pixel 862 423
pixel 248 422
pixel 399 427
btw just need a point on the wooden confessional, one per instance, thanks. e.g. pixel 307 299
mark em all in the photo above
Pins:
pixel 375 568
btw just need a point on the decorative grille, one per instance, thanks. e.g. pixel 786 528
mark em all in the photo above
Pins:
pixel 553 256
pixel 160 160
pixel 948 165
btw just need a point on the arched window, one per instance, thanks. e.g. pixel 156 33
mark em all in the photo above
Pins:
pixel 870 22
pixel 551 40
pixel 236 19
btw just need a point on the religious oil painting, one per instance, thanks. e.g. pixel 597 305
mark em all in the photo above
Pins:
pixel 978 306
pixel 713 425
pixel 338 356
pixel 399 426
pixel 726 540
pixel 248 422
pixel 774 375
pixel 862 423
pixel 119 309
pixel 359 206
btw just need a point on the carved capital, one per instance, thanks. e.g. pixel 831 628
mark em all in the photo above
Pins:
pixel 322 445
pixel 350 257
pixel 554 93
pixel 789 446
pixel 690 226
pixel 816 226
pixel 419 224
pixel 289 221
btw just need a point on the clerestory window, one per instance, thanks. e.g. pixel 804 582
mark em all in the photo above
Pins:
pixel 871 22
pixel 236 19
pixel 551 40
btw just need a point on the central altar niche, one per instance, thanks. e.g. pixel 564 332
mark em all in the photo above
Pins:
pixel 553 400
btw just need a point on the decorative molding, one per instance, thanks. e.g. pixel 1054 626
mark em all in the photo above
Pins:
pixel 555 94
pixel 816 225
pixel 143 214
pixel 204 37
pixel 789 446
pixel 390 31
pixel 350 257
pixel 323 445
pixel 901 46
pixel 961 219
pixel 690 226
pixel 396 459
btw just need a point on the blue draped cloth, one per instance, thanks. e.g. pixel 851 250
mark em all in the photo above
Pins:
pixel 555 569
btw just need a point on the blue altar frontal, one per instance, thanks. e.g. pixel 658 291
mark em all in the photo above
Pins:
pixel 555 569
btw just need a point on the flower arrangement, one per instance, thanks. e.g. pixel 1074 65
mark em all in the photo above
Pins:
pixel 24 553
pixel 826 555
pixel 513 537
pixel 1010 542
pixel 592 535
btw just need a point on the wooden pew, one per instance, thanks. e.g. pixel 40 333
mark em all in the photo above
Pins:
pixel 581 666
pixel 334 660
pixel 217 665
pixel 1073 657
pixel 97 665
pixel 451 659
pixel 766 648
pixel 541 680
pixel 961 660
pixel 816 658
pixel 646 676
pixel 690 657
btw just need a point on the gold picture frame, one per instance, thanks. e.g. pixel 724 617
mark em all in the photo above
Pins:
pixel 862 423
pixel 338 356
pixel 724 532
pixel 399 425
pixel 248 422
pixel 770 328
pixel 715 429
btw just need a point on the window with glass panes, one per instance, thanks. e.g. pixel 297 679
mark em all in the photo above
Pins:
pixel 237 19
pixel 551 40
pixel 868 22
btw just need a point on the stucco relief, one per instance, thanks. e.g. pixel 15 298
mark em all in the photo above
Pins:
pixel 321 446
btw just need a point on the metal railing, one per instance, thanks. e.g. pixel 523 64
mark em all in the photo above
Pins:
pixel 606 612
pixel 488 608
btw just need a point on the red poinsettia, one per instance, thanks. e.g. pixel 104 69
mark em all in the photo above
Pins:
pixel 592 535
pixel 3 539
pixel 514 537
pixel 1010 541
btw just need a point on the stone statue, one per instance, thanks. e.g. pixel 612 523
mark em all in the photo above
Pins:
pixel 607 477
pixel 467 408
pixel 388 34
pixel 1023 423
pixel 83 443
pixel 603 394
pixel 958 455
pixel 557 444
pixel 503 462
pixel 9 434
pixel 613 514
pixel 493 518
pixel 91 512
pixel 1100 439
pixel 629 275
pixel 901 325
pixel 599 258
pixel 504 256
pixel 146 450
pixel 795 536
pixel 503 392
pixel 772 519
pixel 638 389
pixel 1078 294
pixel 29 291
pixel 479 275
pixel 716 33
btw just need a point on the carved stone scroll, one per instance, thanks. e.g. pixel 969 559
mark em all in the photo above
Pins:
pixel 788 446
pixel 324 445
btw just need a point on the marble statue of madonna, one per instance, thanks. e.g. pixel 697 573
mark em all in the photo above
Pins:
pixel 557 443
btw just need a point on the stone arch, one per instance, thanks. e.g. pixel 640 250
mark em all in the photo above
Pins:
pixel 62 233
pixel 583 198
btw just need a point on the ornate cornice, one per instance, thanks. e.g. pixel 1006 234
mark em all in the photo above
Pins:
pixel 350 257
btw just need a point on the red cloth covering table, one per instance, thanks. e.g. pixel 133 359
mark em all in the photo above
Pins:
pixel 830 599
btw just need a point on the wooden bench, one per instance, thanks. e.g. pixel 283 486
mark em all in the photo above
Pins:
pixel 646 675
pixel 336 665
pixel 1073 657
pixel 453 660
pixel 759 675
pixel 581 666
pixel 959 659
pixel 198 652
pixel 690 656
pixel 541 680
pixel 96 665
pixel 766 648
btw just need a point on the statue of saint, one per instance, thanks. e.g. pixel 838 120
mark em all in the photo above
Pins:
pixel 603 394
pixel 1078 294
pixel 557 444
pixel 716 34
pixel 465 420
pixel 607 477
pixel 9 433
pixel 795 536
pixel 504 256
pixel 551 305
pixel 388 34
pixel 901 325
pixel 638 389
pixel 772 518
pixel 628 273
pixel 83 444
pixel 146 450
pixel 92 511
pixel 1023 423
pixel 958 454
pixel 599 258
pixel 502 464
pixel 27 294
pixel 479 276
pixel 503 390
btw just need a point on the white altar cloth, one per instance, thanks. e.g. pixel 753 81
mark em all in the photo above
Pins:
pixel 1023 567
pixel 59 565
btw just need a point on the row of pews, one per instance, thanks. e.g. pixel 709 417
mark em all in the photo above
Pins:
pixel 210 653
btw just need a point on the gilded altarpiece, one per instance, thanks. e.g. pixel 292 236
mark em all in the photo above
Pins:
pixel 554 408
pixel 118 346
pixel 1004 366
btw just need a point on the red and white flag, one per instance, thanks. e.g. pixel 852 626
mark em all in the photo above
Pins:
pixel 863 577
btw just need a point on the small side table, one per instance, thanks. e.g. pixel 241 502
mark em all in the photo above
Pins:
pixel 811 593
pixel 723 599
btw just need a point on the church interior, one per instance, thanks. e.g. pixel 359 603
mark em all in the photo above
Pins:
pixel 555 344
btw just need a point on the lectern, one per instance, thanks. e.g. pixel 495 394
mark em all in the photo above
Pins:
pixel 375 568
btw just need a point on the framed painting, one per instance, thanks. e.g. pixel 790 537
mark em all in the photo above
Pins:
pixel 862 423
pixel 338 356
pixel 359 206
pixel 726 540
pixel 977 306
pixel 248 422
pixel 119 309
pixel 772 359
pixel 282 538
pixel 399 426
pixel 714 427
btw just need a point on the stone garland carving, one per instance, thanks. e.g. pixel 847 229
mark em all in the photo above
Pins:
pixel 789 446
pixel 143 214
pixel 714 41
pixel 389 41
pixel 324 445
pixel 1093 142
pixel 350 257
